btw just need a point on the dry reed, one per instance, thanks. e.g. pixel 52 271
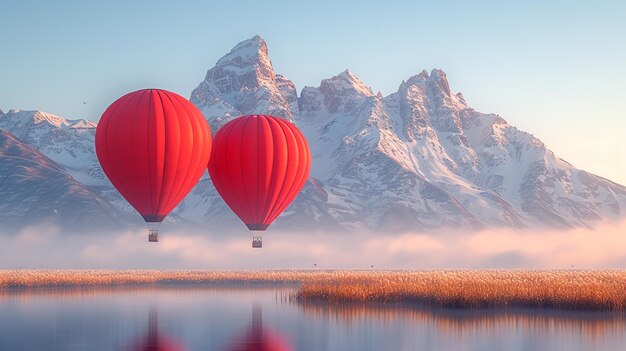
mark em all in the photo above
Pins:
pixel 573 290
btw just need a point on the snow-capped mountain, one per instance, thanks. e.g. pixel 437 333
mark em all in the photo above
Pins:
pixel 35 190
pixel 243 82
pixel 417 159
pixel 421 158
pixel 69 143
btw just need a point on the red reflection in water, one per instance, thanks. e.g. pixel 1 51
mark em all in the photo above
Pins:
pixel 155 341
pixel 258 338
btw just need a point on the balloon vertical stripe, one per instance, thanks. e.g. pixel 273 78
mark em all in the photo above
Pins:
pixel 153 145
pixel 260 163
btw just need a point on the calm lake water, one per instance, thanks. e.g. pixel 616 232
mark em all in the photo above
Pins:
pixel 240 318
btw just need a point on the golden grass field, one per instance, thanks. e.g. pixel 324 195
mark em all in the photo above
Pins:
pixel 572 290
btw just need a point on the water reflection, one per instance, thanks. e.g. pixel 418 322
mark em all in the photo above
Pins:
pixel 463 320
pixel 155 340
pixel 589 330
pixel 224 319
pixel 257 337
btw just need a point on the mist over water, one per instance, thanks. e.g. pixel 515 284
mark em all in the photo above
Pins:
pixel 581 248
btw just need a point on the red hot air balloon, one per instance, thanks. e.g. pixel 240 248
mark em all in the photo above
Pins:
pixel 153 145
pixel 259 165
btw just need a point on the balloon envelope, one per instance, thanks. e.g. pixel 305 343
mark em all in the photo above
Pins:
pixel 259 165
pixel 153 145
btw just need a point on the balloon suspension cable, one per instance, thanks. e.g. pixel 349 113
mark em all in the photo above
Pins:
pixel 153 232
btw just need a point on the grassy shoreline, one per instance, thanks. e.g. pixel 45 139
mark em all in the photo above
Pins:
pixel 567 290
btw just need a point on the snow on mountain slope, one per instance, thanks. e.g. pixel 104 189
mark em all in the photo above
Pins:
pixel 69 143
pixel 546 188
pixel 35 190
pixel 364 162
pixel 418 159
pixel 243 82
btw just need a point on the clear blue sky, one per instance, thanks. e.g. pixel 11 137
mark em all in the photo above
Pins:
pixel 553 68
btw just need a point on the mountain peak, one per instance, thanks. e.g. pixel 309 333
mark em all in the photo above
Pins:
pixel 16 118
pixel 347 73
pixel 347 80
pixel 340 93
pixel 436 78
pixel 418 79
pixel 43 117
pixel 437 73
pixel 256 42
pixel 440 79
pixel 247 52
pixel 244 82
pixel 247 65
pixel 21 117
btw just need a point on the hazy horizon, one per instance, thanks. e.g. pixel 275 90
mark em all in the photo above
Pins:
pixel 46 247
